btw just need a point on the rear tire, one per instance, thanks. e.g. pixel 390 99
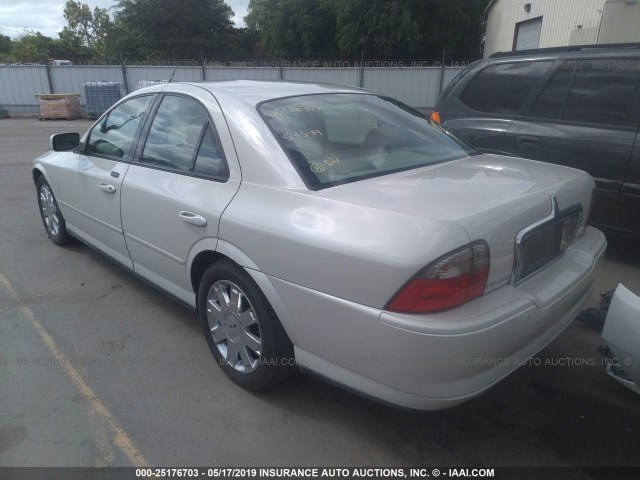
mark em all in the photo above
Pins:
pixel 52 219
pixel 242 330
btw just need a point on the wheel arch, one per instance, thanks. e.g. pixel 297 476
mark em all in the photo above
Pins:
pixel 37 172
pixel 199 265
pixel 226 251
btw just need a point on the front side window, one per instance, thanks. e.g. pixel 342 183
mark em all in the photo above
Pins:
pixel 338 138
pixel 503 88
pixel 113 136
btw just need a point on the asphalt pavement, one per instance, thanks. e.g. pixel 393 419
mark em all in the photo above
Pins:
pixel 99 369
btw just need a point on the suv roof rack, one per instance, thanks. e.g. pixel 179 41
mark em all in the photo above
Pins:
pixel 567 49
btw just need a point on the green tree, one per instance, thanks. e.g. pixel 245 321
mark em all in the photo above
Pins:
pixel 168 27
pixel 5 44
pixel 386 27
pixel 87 32
pixel 32 47
pixel 455 25
pixel 294 26
pixel 381 26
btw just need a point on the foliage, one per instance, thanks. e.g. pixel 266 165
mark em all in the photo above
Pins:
pixel 294 26
pixel 199 30
pixel 386 27
pixel 5 44
pixel 32 47
pixel 86 30
pixel 147 26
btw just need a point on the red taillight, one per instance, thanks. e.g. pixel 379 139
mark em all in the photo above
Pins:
pixel 435 116
pixel 449 282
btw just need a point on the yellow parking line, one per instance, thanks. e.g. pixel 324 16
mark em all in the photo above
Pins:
pixel 120 437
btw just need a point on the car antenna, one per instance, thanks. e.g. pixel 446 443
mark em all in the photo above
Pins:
pixel 174 72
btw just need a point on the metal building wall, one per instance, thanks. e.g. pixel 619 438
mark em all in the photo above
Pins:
pixel 230 73
pixel 563 22
pixel 418 87
pixel 71 79
pixel 136 74
pixel 339 76
pixel 620 22
pixel 19 86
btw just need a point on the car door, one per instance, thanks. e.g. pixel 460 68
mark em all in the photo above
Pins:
pixel 585 118
pixel 484 109
pixel 90 179
pixel 184 176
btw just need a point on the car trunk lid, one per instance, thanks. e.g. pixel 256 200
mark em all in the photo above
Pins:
pixel 493 198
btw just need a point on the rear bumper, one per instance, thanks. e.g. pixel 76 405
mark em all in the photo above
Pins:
pixel 436 361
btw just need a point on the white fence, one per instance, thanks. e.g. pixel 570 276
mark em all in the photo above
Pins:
pixel 418 87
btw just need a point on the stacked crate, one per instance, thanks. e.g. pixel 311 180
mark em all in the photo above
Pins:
pixel 59 105
pixel 101 96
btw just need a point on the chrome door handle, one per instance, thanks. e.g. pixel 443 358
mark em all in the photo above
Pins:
pixel 107 187
pixel 192 218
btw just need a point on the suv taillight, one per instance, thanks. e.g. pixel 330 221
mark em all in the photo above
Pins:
pixel 448 282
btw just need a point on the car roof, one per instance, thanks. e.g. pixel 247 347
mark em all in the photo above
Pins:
pixel 619 49
pixel 257 91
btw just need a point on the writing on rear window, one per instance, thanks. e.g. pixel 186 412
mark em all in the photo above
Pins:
pixel 294 108
pixel 301 134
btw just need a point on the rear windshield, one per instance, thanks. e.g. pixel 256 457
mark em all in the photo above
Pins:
pixel 339 138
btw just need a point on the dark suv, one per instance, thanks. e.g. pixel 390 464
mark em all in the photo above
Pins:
pixel 575 106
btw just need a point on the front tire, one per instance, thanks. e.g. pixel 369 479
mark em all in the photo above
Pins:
pixel 242 330
pixel 52 219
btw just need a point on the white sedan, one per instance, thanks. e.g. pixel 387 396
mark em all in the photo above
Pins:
pixel 329 229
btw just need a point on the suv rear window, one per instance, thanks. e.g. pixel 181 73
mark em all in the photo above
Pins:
pixel 339 138
pixel 503 88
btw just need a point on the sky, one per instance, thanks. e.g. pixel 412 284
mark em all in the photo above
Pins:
pixel 45 16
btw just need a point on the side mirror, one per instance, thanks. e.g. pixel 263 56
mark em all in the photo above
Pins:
pixel 63 142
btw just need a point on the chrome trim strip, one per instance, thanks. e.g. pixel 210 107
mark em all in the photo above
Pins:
pixel 517 264
pixel 154 248
pixel 552 216
pixel 91 217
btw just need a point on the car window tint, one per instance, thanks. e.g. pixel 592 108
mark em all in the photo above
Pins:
pixel 603 91
pixel 210 160
pixel 174 134
pixel 338 138
pixel 112 137
pixel 551 100
pixel 503 88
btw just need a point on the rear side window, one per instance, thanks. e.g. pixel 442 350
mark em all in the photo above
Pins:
pixel 210 159
pixel 181 139
pixel 603 91
pixel 503 88
pixel 174 134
